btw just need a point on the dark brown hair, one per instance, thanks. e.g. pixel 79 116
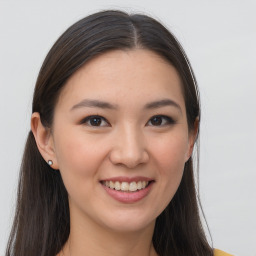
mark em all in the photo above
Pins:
pixel 41 224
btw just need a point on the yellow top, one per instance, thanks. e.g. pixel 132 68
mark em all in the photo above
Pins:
pixel 220 253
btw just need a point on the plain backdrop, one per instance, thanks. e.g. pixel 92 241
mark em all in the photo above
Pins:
pixel 220 40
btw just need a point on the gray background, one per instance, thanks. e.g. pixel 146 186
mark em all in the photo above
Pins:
pixel 219 38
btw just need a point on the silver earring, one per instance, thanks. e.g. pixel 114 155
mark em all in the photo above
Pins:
pixel 50 162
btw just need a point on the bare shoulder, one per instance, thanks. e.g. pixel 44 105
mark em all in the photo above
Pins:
pixel 218 252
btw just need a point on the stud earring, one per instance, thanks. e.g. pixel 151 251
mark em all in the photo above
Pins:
pixel 50 162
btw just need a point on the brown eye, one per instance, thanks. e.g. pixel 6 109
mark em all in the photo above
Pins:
pixel 157 120
pixel 160 120
pixel 96 121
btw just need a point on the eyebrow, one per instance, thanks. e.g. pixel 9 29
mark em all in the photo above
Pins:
pixel 162 103
pixel 94 104
pixel 90 103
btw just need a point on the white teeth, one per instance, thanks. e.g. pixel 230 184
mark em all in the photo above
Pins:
pixel 117 185
pixel 139 185
pixel 133 186
pixel 126 186
pixel 111 184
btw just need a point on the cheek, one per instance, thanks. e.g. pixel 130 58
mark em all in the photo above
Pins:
pixel 78 157
pixel 171 152
pixel 79 160
pixel 170 157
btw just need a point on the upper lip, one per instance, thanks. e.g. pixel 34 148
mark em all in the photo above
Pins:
pixel 128 179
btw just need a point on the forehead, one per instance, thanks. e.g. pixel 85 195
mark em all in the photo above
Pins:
pixel 124 76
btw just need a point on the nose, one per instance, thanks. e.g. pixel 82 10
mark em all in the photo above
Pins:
pixel 129 148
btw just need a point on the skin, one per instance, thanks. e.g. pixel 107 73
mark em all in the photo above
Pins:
pixel 128 142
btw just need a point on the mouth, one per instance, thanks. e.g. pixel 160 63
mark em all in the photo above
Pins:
pixel 124 186
pixel 128 190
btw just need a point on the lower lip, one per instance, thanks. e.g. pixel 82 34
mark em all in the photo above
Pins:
pixel 128 197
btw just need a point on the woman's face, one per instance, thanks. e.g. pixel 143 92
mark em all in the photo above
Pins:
pixel 121 139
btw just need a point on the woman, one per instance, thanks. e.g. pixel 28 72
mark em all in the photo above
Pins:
pixel 107 168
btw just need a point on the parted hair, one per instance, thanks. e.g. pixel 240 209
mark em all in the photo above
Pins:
pixel 41 224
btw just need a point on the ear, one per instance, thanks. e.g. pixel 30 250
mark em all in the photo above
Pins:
pixel 192 138
pixel 44 140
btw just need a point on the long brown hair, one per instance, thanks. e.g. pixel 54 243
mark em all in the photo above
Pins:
pixel 41 225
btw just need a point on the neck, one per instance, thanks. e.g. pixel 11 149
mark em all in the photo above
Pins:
pixel 89 238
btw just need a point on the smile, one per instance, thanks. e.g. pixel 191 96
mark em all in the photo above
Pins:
pixel 128 189
pixel 126 186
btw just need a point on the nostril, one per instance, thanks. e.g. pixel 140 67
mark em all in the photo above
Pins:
pixel 128 158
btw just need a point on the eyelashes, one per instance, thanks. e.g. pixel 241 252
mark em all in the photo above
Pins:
pixel 95 121
pixel 99 121
pixel 161 120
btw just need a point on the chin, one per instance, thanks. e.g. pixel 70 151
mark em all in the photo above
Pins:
pixel 126 223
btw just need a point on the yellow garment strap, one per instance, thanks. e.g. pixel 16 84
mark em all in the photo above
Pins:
pixel 220 253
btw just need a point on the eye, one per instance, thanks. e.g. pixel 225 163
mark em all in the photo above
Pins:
pixel 96 121
pixel 160 120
